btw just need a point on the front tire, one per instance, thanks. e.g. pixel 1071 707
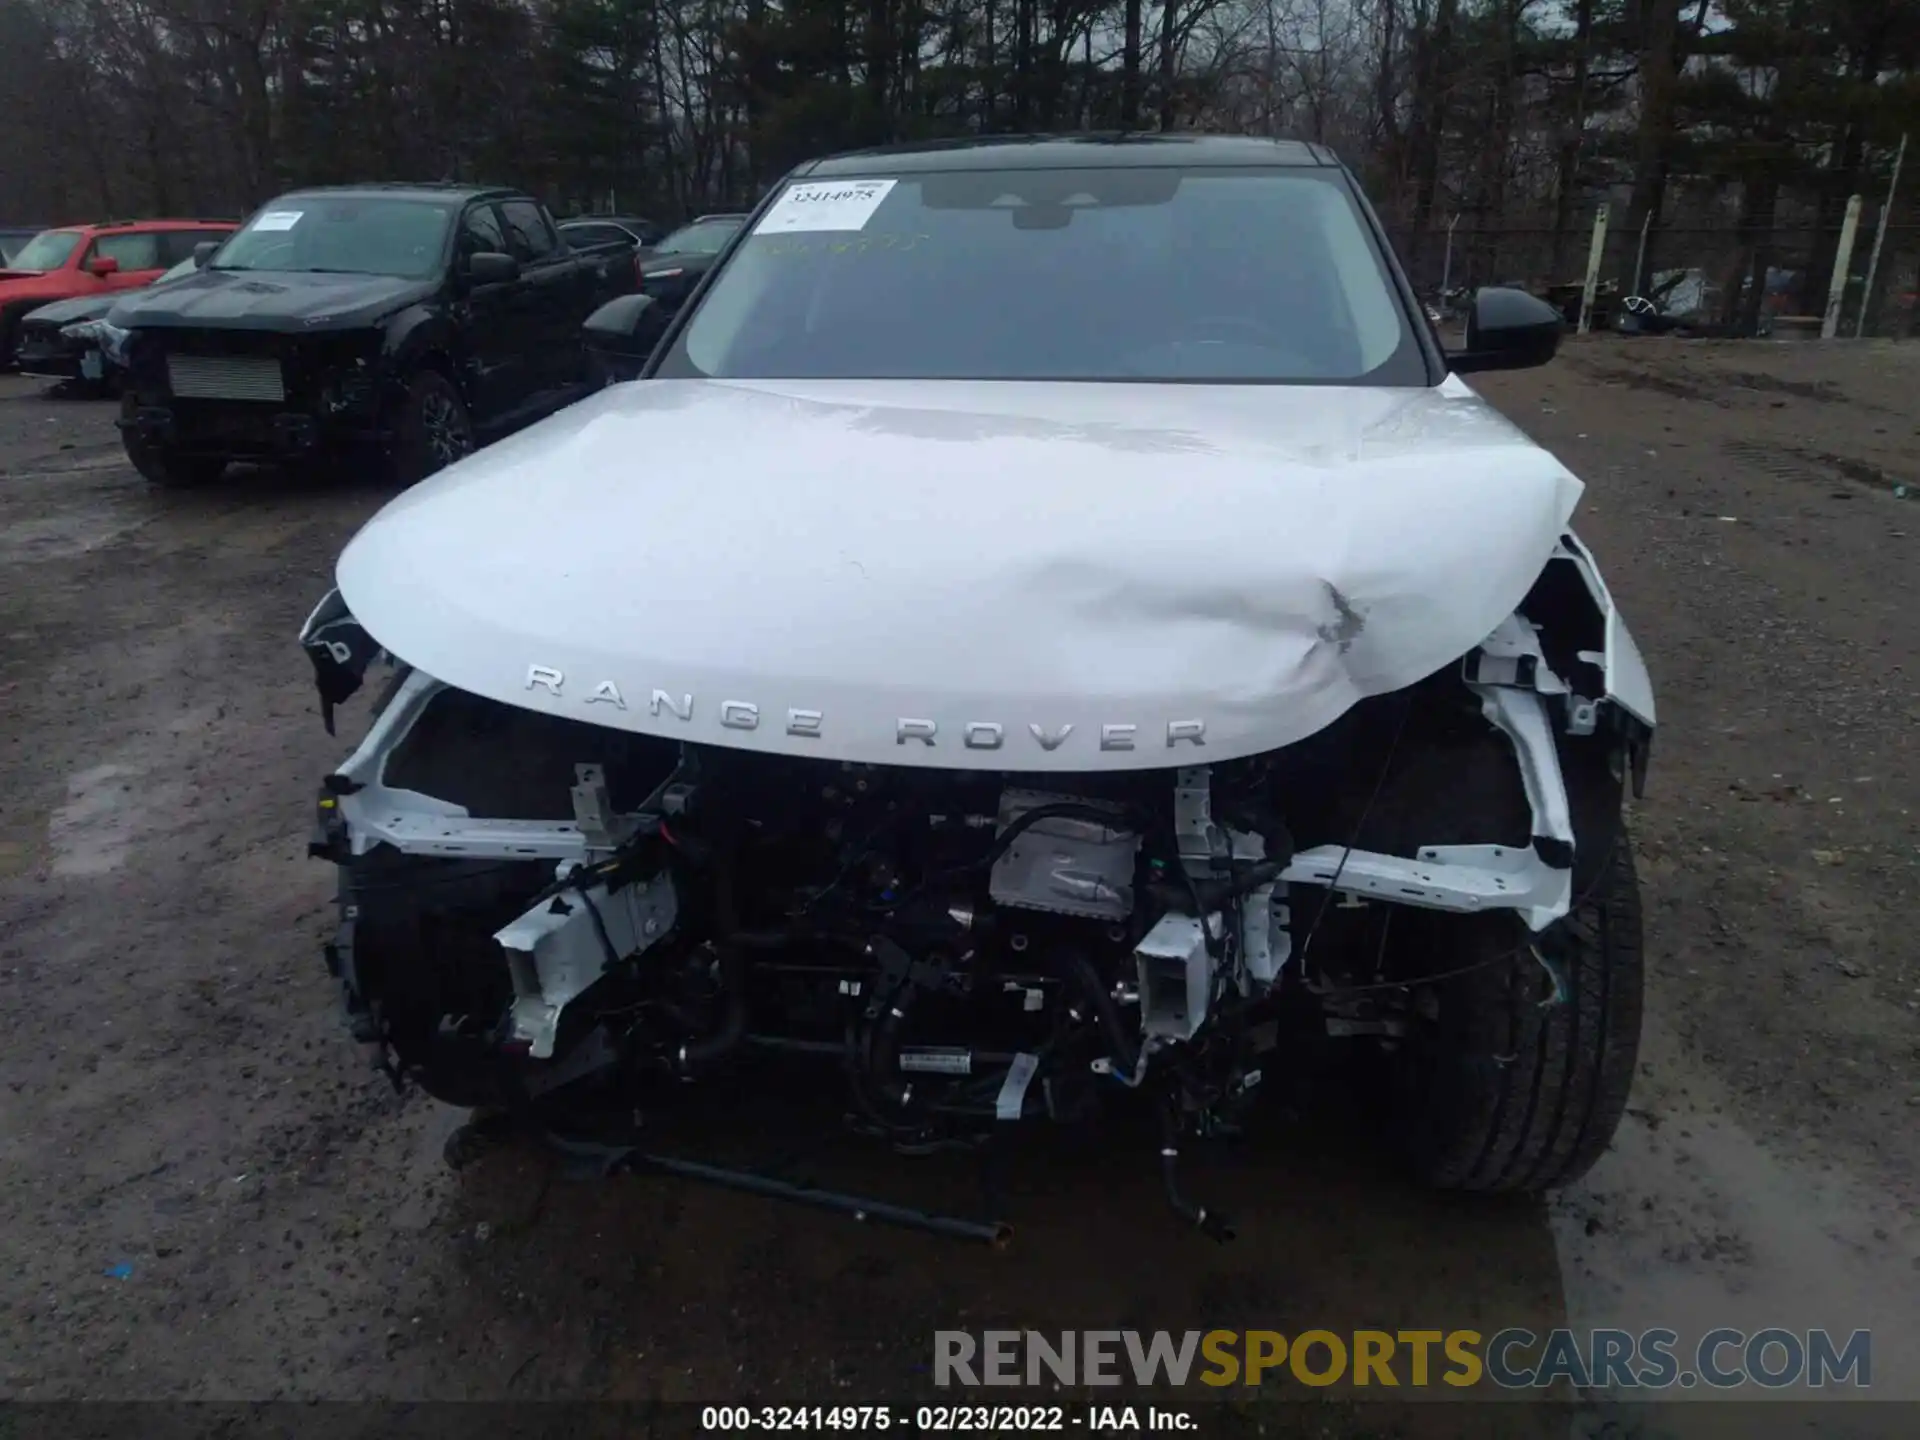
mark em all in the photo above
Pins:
pixel 1518 1070
pixel 431 428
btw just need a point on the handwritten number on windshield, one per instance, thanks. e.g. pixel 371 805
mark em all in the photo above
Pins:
pixel 845 244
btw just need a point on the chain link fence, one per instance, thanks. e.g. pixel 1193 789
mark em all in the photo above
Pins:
pixel 1718 280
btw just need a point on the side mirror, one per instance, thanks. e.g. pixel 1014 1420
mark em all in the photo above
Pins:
pixel 626 325
pixel 491 267
pixel 204 252
pixel 103 266
pixel 1507 330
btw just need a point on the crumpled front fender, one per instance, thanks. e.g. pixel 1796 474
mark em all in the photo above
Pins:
pixel 1628 684
pixel 340 649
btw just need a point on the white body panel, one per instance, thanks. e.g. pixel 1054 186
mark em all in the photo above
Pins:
pixel 1027 569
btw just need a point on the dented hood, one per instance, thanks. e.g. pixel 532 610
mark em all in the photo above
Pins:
pixel 1019 576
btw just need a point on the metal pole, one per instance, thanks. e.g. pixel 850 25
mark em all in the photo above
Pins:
pixel 1595 253
pixel 1879 239
pixel 1842 258
pixel 1640 257
pixel 1446 265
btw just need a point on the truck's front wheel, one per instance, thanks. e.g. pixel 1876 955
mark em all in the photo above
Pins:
pixel 431 428
pixel 1519 1063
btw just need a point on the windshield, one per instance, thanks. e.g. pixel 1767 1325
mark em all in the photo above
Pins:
pixel 185 267
pixel 1104 274
pixel 48 250
pixel 349 235
pixel 703 237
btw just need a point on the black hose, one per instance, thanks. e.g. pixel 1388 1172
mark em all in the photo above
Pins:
pixel 732 1030
pixel 1126 1054
pixel 707 1051
pixel 1210 1223
pixel 872 1061
pixel 883 1049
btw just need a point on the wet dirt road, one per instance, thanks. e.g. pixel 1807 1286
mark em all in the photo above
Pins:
pixel 205 1194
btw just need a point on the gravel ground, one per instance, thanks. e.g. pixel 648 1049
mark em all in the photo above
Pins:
pixel 206 1194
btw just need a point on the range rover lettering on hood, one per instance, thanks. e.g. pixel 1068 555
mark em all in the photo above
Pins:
pixel 1054 576
pixel 810 723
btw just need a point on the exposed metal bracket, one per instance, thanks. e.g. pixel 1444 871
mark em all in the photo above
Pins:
pixel 1511 656
pixel 1471 878
pixel 564 944
pixel 1193 818
pixel 601 826
pixel 1265 941
pixel 1460 878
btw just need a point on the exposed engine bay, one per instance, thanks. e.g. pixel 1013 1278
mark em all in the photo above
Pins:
pixel 560 922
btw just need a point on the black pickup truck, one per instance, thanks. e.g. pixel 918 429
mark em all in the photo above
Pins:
pixel 401 325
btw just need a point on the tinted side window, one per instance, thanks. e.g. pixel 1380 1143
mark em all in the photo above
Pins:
pixel 481 231
pixel 140 251
pixel 597 235
pixel 528 235
pixel 177 245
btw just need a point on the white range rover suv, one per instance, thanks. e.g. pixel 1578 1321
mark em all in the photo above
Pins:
pixel 1048 632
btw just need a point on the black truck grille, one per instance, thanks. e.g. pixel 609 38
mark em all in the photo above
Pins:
pixel 226 377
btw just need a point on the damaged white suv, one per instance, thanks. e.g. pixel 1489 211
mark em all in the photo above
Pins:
pixel 1048 628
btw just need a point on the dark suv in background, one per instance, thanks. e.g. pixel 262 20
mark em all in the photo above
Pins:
pixel 405 324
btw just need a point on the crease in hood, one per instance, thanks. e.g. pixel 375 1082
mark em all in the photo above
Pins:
pixel 999 559
pixel 270 300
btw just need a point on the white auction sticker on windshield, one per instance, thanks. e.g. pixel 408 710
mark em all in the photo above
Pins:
pixel 825 205
pixel 278 220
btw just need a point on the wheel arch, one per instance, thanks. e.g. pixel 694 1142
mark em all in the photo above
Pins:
pixel 421 339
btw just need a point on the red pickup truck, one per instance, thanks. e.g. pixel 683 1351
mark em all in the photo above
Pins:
pixel 76 260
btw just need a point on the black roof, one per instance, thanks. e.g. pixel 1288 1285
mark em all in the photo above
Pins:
pixel 402 189
pixel 1075 152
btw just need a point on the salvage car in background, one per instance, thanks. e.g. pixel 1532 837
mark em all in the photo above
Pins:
pixel 76 340
pixel 587 231
pixel 402 324
pixel 1029 706
pixel 622 333
pixel 13 239
pixel 679 262
pixel 80 260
